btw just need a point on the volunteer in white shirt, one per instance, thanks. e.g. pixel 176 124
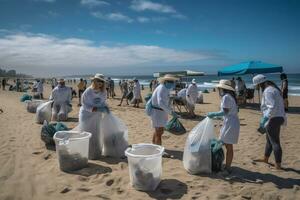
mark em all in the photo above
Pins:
pixel 39 88
pixel 191 97
pixel 93 101
pixel 61 96
pixel 229 133
pixel 136 93
pixel 272 108
pixel 160 106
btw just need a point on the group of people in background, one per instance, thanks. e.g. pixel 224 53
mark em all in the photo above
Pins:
pixel 92 102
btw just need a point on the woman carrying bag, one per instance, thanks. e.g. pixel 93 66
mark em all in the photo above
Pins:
pixel 93 102
pixel 160 106
pixel 229 133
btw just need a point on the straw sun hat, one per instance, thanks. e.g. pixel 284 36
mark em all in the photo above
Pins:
pixel 99 77
pixel 225 84
pixel 167 77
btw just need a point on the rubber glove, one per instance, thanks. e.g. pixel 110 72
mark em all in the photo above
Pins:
pixel 263 121
pixel 215 114
pixel 103 109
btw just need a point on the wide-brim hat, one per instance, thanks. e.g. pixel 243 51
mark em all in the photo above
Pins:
pixel 99 77
pixel 225 84
pixel 258 79
pixel 167 77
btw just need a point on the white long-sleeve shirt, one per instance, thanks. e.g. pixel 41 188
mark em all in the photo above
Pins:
pixel 90 98
pixel 272 103
pixel 61 95
pixel 161 98
pixel 137 90
pixel 192 93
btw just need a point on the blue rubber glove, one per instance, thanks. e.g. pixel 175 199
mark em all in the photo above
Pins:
pixel 103 109
pixel 263 121
pixel 215 114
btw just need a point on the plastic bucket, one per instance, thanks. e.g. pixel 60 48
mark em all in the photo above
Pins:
pixel 72 149
pixel 145 166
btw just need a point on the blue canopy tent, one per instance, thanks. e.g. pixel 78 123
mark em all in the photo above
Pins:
pixel 252 67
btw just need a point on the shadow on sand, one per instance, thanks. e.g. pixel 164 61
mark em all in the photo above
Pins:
pixel 92 169
pixel 169 189
pixel 245 176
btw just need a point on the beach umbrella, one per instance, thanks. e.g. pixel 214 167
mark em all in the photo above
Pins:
pixel 251 67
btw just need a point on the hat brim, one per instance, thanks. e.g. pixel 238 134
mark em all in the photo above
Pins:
pixel 226 87
pixel 163 79
pixel 101 79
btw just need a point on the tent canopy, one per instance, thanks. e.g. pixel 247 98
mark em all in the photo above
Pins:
pixel 179 73
pixel 252 67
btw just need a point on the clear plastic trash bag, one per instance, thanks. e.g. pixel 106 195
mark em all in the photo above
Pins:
pixel 197 150
pixel 114 137
pixel 44 112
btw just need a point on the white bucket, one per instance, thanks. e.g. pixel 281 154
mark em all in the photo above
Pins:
pixel 72 149
pixel 145 166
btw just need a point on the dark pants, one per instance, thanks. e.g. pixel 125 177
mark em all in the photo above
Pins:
pixel 273 138
pixel 80 92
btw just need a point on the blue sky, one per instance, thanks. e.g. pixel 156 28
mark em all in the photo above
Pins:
pixel 54 37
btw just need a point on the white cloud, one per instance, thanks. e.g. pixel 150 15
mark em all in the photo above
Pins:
pixel 151 19
pixel 143 19
pixel 112 17
pixel 38 52
pixel 143 5
pixel 94 3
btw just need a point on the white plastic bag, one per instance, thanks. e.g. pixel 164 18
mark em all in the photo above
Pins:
pixel 31 106
pixel 199 98
pixel 197 152
pixel 114 137
pixel 44 112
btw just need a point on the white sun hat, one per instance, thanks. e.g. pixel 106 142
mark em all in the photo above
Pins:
pixel 258 79
pixel 167 77
pixel 99 77
pixel 225 84
pixel 194 81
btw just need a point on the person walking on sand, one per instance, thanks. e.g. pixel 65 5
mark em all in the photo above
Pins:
pixel 3 83
pixel 284 90
pixel 273 117
pixel 62 97
pixel 39 88
pixel 124 86
pixel 229 133
pixel 161 107
pixel 90 114
pixel 191 97
pixel 136 93
pixel 81 87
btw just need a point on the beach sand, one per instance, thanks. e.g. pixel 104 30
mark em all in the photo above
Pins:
pixel 30 171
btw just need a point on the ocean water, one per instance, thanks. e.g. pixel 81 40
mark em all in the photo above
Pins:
pixel 209 81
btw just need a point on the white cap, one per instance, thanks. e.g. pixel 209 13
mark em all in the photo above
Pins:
pixel 258 79
pixel 194 81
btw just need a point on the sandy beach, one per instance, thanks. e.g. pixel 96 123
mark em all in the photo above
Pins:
pixel 30 171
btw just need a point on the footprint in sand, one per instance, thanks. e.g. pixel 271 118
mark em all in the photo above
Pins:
pixel 83 189
pixel 166 191
pixel 37 152
pixel 110 182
